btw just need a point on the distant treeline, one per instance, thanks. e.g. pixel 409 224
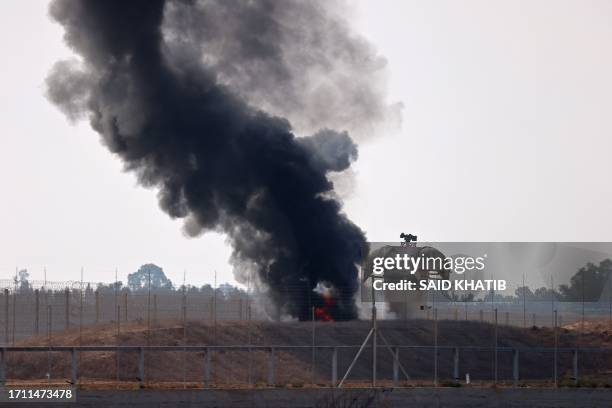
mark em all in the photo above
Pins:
pixel 590 283
pixel 147 277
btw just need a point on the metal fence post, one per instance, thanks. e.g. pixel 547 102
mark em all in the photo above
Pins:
pixel 515 367
pixel 335 366
pixel 141 369
pixel 210 309
pixel 2 366
pixel 575 365
pixel 154 309
pixel 67 308
pixel 125 306
pixel 37 307
pixel 6 316
pixel 555 351
pixel 495 357
pixel 250 366
pixel 73 377
pixel 49 323
pixel 271 376
pixel 456 364
pixel 74 352
pixel 207 368
pixel 97 307
pixel 395 366
pixel 14 323
pixel 435 312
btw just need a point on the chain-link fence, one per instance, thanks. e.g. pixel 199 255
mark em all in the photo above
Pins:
pixel 73 331
pixel 44 308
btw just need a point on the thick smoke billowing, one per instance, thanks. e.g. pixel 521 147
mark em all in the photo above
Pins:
pixel 291 58
pixel 189 127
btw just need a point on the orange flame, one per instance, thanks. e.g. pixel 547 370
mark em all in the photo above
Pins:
pixel 322 313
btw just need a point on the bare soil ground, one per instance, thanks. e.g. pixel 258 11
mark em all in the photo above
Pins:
pixel 294 368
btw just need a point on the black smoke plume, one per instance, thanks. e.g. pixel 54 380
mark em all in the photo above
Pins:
pixel 292 58
pixel 216 161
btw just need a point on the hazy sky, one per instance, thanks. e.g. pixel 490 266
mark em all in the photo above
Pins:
pixel 506 136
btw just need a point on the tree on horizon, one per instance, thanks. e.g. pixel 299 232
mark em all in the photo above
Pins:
pixel 139 280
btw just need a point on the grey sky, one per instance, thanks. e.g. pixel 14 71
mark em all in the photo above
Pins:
pixel 505 136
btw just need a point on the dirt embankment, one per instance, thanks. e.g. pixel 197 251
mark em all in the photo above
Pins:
pixel 295 366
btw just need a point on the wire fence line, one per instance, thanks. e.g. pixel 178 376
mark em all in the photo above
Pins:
pixel 40 311
pixel 453 361
pixel 261 358
pixel 48 307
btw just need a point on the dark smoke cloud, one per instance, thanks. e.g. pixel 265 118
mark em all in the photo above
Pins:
pixel 184 128
pixel 292 58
